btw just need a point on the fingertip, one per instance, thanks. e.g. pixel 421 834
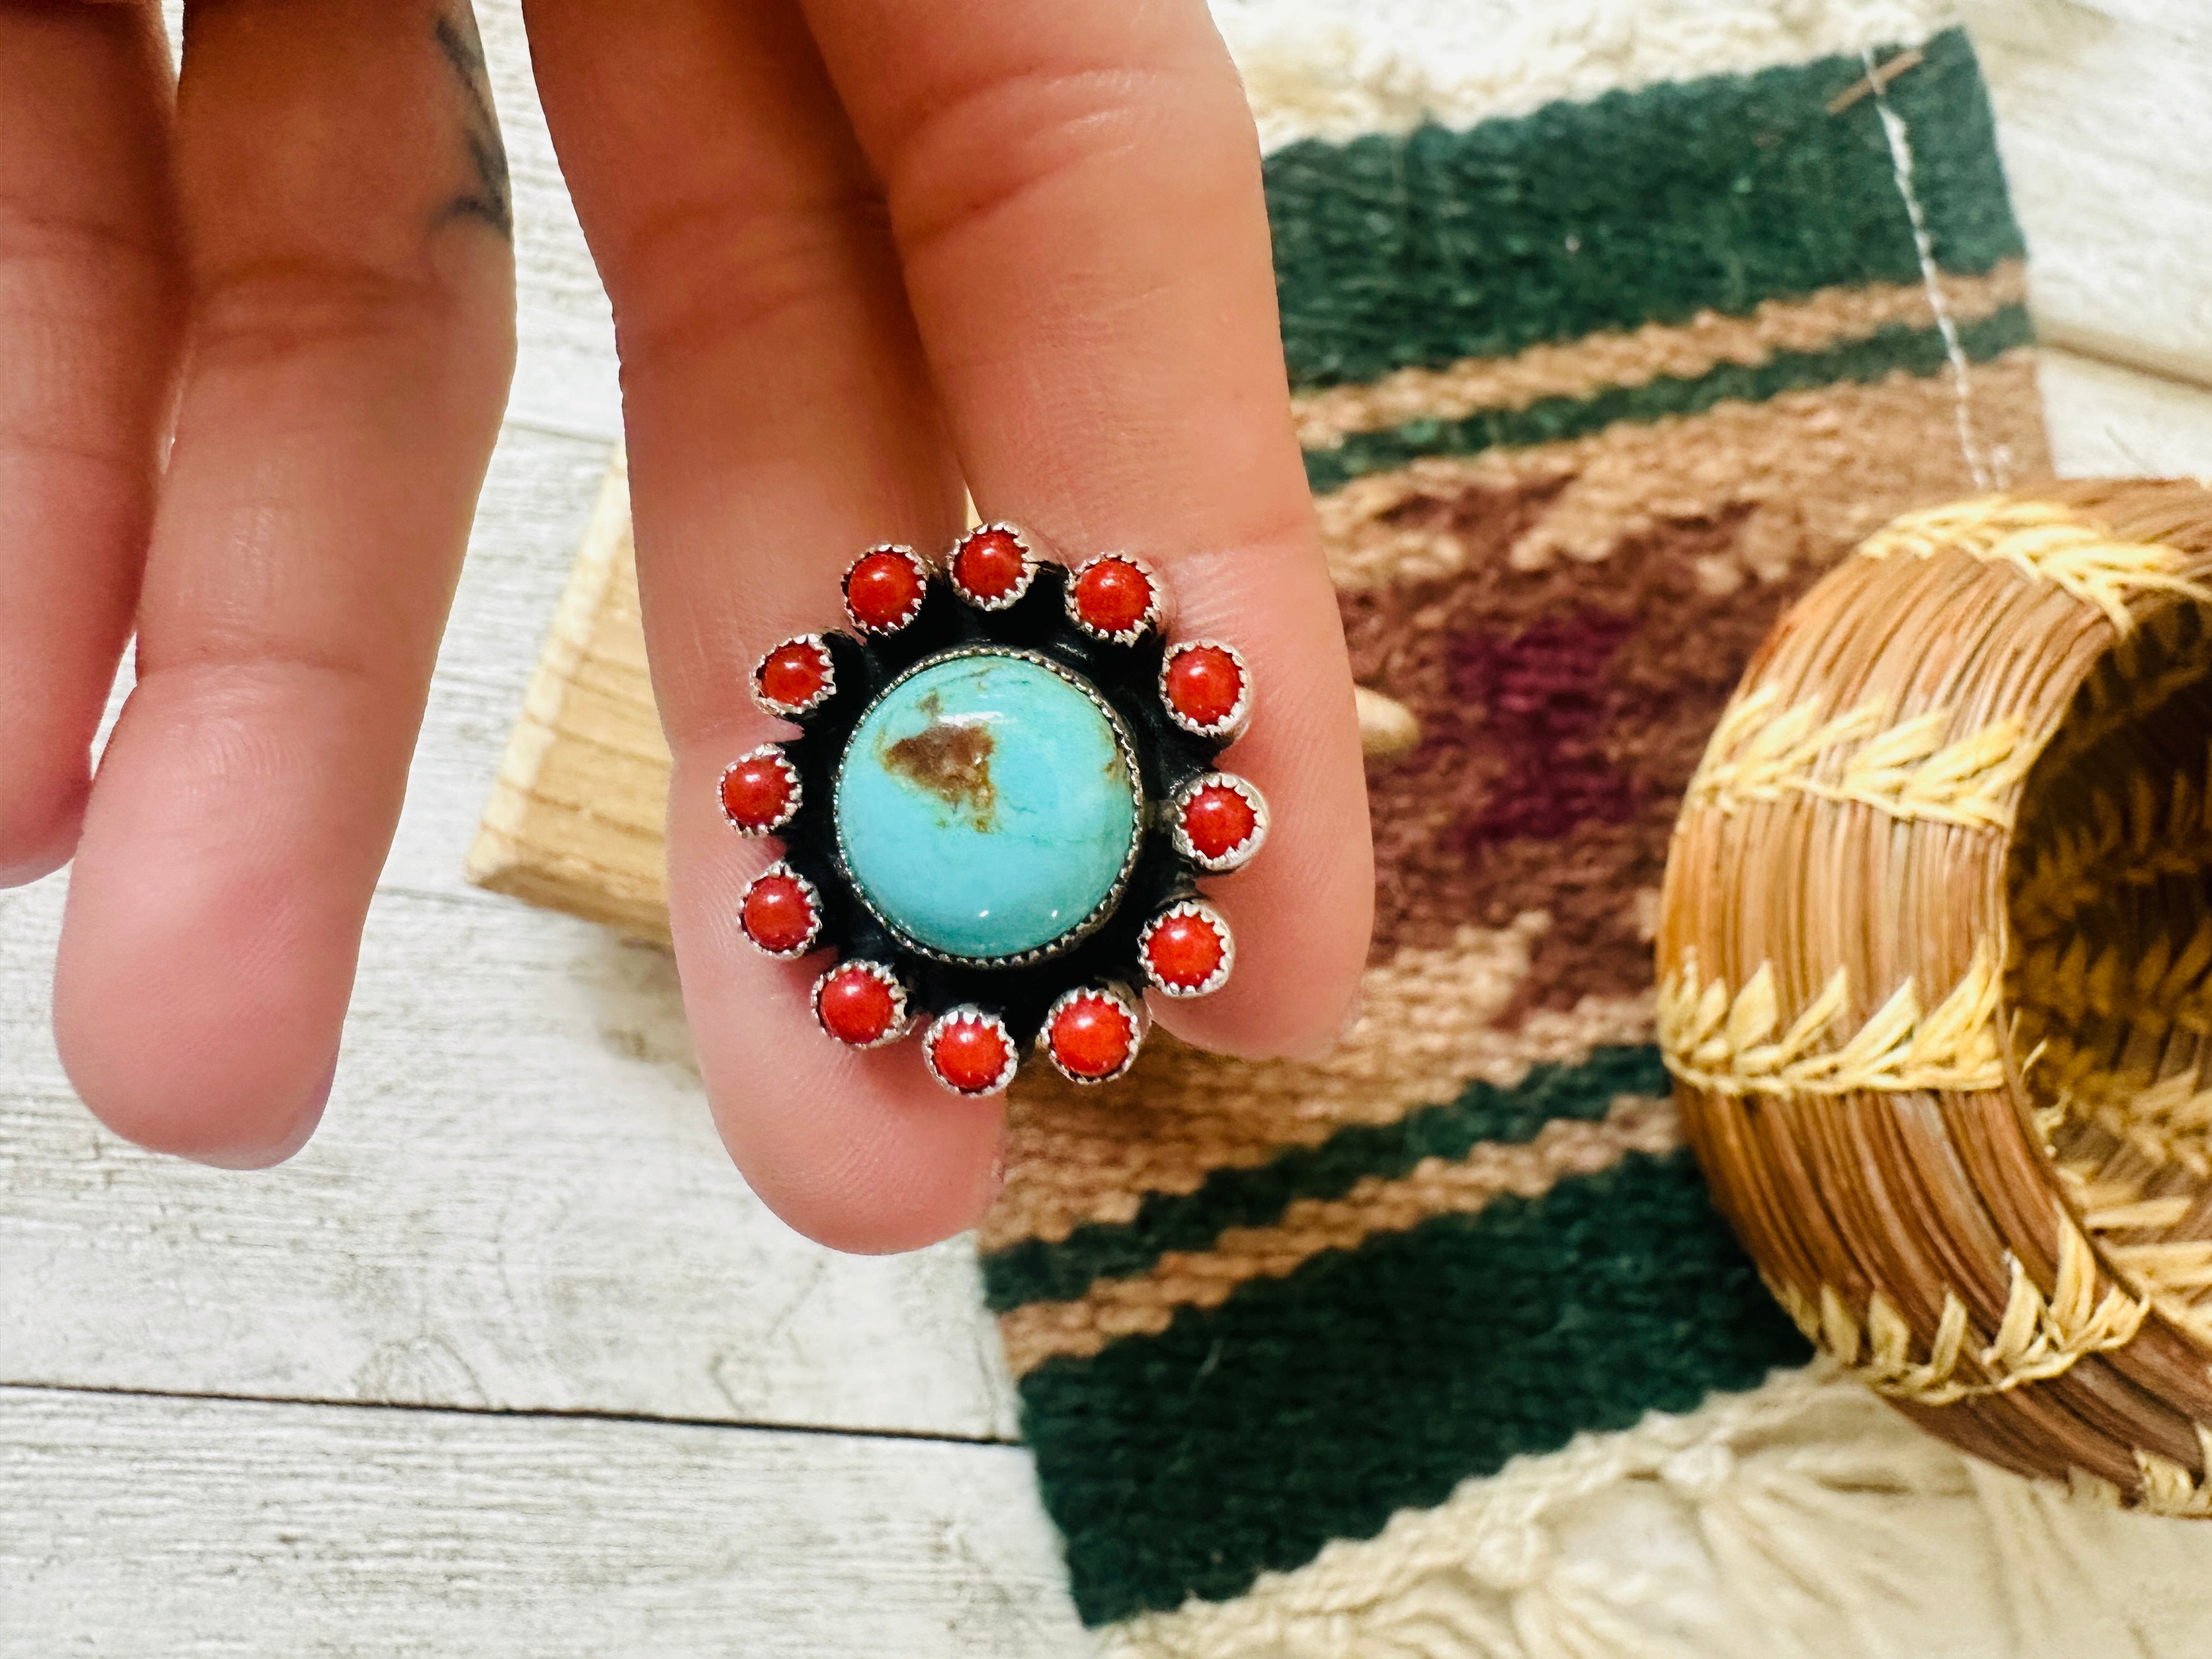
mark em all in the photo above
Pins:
pixel 41 815
pixel 178 1056
pixel 268 1154
pixel 212 1126
pixel 858 1149
pixel 163 1076
pixel 52 689
pixel 1302 916
pixel 1294 992
pixel 213 922
pixel 882 1202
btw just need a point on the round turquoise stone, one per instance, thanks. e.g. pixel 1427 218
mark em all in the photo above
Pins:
pixel 984 806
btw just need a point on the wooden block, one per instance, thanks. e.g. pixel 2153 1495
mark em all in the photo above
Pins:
pixel 577 813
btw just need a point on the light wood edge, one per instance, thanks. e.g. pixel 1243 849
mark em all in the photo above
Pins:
pixel 547 852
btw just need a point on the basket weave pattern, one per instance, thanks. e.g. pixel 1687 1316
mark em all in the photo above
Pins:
pixel 1936 964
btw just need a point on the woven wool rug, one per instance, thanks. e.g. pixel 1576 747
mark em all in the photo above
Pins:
pixel 1610 328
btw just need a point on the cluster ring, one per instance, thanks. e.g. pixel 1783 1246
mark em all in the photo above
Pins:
pixel 1003 792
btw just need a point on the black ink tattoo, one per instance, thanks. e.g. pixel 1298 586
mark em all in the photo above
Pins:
pixel 487 197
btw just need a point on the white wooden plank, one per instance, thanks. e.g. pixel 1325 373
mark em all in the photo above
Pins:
pixel 2108 420
pixel 159 1528
pixel 516 1200
pixel 2105 121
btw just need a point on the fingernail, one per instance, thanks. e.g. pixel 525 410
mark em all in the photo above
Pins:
pixel 1352 1016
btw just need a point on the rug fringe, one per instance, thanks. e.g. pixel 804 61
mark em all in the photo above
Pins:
pixel 1803 1518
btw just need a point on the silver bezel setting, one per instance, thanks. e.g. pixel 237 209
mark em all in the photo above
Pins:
pixel 767 750
pixel 1123 744
pixel 1121 997
pixel 1030 564
pixel 813 906
pixel 793 710
pixel 1215 981
pixel 901 1015
pixel 1231 726
pixel 1237 856
pixel 922 589
pixel 968 1014
pixel 1155 616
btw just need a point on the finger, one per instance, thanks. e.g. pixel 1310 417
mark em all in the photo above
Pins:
pixel 780 420
pixel 89 316
pixel 1075 192
pixel 350 342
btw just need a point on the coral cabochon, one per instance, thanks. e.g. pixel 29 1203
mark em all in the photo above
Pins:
pixel 1091 1033
pixel 861 1003
pixel 971 1051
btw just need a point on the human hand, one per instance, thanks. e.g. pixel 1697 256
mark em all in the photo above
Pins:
pixel 860 252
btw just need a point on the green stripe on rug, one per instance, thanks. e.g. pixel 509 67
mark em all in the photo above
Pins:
pixel 1035 1270
pixel 1313 1406
pixel 1917 351
pixel 1643 206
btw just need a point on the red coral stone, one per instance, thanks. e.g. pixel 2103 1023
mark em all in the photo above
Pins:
pixel 776 914
pixel 856 1005
pixel 1204 683
pixel 989 564
pixel 794 674
pixel 1092 1036
pixel 1218 820
pixel 758 790
pixel 1184 950
pixel 882 588
pixel 1113 595
pixel 969 1054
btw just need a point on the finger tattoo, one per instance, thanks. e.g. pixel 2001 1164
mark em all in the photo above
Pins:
pixel 487 197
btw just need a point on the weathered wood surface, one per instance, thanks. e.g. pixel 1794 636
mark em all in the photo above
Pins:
pixel 516 1201
pixel 2105 119
pixel 2104 419
pixel 156 1528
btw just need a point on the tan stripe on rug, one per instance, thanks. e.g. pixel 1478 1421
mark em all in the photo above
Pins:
pixel 1580 368
pixel 1428 1028
pixel 1145 1304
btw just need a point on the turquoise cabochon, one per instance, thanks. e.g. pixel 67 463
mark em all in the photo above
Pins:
pixel 985 806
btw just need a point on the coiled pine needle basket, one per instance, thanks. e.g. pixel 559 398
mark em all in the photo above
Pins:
pixel 1936 977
